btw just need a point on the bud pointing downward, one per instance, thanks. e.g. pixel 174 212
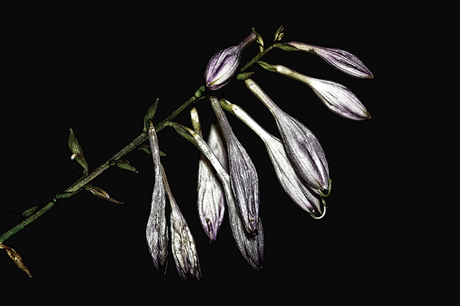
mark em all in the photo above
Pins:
pixel 250 245
pixel 285 172
pixel 182 242
pixel 157 229
pixel 210 203
pixel 243 174
pixel 302 146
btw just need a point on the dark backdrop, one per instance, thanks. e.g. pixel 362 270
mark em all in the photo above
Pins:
pixel 96 70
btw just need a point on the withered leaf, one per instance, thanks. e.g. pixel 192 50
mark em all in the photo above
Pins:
pixel 101 193
pixel 16 258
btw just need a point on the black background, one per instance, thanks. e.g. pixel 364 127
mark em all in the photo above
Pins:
pixel 96 70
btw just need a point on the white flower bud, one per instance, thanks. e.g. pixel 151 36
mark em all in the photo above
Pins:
pixel 302 146
pixel 182 242
pixel 211 201
pixel 243 174
pixel 336 97
pixel 340 59
pixel 157 230
pixel 292 184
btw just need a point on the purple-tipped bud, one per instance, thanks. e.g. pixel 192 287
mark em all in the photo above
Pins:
pixel 302 146
pixel 338 98
pixel 337 58
pixel 224 63
pixel 243 174
pixel 157 230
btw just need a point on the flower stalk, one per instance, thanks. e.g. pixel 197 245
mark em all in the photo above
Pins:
pixel 227 177
pixel 80 184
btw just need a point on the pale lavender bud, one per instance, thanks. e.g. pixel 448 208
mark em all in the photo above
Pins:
pixel 339 99
pixel 302 146
pixel 337 58
pixel 294 187
pixel 250 245
pixel 157 231
pixel 211 203
pixel 182 242
pixel 243 174
pixel 336 97
pixel 224 63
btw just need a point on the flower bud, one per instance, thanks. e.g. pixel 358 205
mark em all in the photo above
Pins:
pixel 340 59
pixel 224 63
pixel 157 231
pixel 210 203
pixel 302 146
pixel 243 174
pixel 292 184
pixel 250 245
pixel 149 114
pixel 279 34
pixel 336 97
pixel 182 242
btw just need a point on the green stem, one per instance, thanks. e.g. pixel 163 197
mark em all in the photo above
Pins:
pixel 80 184
pixel 256 58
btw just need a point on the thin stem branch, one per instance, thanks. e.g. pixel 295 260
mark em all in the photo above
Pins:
pixel 80 184
pixel 256 58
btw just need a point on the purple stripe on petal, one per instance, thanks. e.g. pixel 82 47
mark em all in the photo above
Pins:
pixel 337 58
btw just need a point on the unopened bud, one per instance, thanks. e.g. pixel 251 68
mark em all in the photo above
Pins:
pixel 224 63
pixel 340 59
pixel 303 148
pixel 157 228
pixel 336 97
pixel 243 174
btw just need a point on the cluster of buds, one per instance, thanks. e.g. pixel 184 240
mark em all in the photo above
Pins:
pixel 227 177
